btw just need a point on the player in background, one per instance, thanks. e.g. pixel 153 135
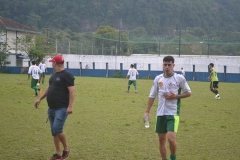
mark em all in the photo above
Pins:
pixel 182 72
pixel 167 89
pixel 34 71
pixel 214 80
pixel 132 76
pixel 43 68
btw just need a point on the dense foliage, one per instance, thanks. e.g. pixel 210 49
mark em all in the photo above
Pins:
pixel 146 23
pixel 157 16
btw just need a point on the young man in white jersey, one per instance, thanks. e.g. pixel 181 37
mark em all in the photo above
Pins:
pixel 169 88
pixel 34 71
pixel 132 75
pixel 43 68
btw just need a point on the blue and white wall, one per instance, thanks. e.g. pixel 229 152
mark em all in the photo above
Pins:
pixel 196 67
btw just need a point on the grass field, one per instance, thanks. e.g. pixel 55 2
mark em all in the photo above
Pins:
pixel 107 122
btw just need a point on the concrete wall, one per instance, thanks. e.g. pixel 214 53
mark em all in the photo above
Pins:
pixel 142 62
pixel 148 66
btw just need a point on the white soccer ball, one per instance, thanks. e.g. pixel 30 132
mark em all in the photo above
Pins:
pixel 38 84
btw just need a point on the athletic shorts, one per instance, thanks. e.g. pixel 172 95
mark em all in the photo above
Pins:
pixel 34 82
pixel 214 84
pixel 167 123
pixel 132 82
pixel 57 118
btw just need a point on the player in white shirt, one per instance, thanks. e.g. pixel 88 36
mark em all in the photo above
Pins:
pixel 182 72
pixel 132 75
pixel 43 68
pixel 34 71
pixel 169 88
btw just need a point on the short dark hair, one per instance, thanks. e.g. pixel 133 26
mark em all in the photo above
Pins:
pixel 33 62
pixel 168 59
pixel 132 65
pixel 211 64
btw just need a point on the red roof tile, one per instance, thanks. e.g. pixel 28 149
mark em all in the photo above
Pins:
pixel 11 25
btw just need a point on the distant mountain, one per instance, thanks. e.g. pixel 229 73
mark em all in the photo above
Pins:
pixel 158 17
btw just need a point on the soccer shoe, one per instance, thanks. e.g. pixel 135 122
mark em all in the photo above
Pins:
pixel 217 96
pixel 55 157
pixel 135 91
pixel 65 154
pixel 127 91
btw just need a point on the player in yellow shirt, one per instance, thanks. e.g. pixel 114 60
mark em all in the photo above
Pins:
pixel 214 80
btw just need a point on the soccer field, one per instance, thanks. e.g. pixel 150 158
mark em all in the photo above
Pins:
pixel 106 123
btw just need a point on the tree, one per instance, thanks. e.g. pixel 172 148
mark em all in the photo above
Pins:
pixel 36 47
pixel 109 37
pixel 3 54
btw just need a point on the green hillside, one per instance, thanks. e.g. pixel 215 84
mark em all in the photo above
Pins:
pixel 157 16
pixel 216 23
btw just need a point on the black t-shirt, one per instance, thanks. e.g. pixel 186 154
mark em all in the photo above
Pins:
pixel 58 94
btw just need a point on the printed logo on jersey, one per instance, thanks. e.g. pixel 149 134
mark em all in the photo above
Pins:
pixel 160 84
pixel 58 79
pixel 173 85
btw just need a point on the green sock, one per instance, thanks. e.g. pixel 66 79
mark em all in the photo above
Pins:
pixel 128 87
pixel 173 157
pixel 135 87
pixel 35 89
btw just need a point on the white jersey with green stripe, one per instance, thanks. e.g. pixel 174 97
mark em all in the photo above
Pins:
pixel 132 73
pixel 161 86
pixel 34 71
pixel 42 66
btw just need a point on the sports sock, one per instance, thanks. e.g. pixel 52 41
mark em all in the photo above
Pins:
pixel 128 87
pixel 35 89
pixel 135 87
pixel 173 157
pixel 213 91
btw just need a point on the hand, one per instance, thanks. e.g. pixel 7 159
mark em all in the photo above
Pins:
pixel 209 79
pixel 69 110
pixel 37 103
pixel 170 96
pixel 146 114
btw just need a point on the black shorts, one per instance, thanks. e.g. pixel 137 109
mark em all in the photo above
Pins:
pixel 214 84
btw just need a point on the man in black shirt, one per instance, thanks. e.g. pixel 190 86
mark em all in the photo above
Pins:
pixel 60 96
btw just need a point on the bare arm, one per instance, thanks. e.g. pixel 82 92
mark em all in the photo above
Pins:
pixel 149 106
pixel 41 97
pixel 71 90
pixel 209 78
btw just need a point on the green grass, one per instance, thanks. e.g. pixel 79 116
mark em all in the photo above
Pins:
pixel 107 122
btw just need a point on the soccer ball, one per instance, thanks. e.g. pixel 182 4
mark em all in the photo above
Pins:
pixel 38 84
